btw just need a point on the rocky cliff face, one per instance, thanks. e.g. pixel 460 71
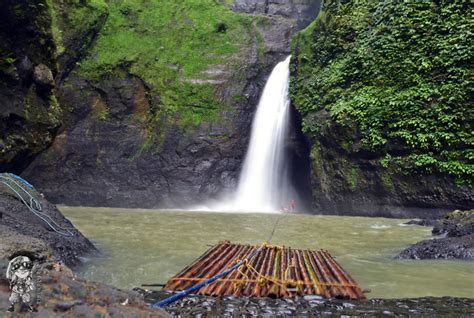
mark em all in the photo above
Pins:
pixel 29 112
pixel 151 129
pixel 135 111
pixel 33 60
pixel 303 11
pixel 389 131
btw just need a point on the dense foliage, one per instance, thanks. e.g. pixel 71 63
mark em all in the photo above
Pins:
pixel 170 44
pixel 400 73
pixel 68 17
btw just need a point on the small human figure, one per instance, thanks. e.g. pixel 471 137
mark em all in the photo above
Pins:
pixel 292 205
pixel 22 285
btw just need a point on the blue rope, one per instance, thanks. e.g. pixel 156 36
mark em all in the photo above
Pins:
pixel 188 291
pixel 14 176
pixel 34 205
pixel 33 201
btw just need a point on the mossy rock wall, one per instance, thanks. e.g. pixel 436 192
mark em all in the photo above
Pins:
pixel 384 91
pixel 29 111
pixel 160 107
pixel 35 54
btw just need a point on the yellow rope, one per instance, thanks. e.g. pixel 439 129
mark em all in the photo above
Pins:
pixel 246 281
pixel 241 272
pixel 263 279
pixel 278 247
pixel 266 278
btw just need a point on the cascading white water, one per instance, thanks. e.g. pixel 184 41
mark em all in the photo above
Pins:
pixel 262 185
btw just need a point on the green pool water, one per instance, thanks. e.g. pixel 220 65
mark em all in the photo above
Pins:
pixel 148 246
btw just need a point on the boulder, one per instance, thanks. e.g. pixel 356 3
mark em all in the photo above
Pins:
pixel 43 77
pixel 458 243
pixel 23 232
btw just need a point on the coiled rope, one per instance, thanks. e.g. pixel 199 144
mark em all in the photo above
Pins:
pixel 244 262
pixel 21 189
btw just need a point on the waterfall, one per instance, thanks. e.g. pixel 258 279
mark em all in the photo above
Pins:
pixel 263 185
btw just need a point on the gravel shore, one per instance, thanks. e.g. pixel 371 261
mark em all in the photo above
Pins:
pixel 314 306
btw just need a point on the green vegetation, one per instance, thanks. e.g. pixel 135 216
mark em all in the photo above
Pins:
pixel 400 73
pixel 54 111
pixel 353 177
pixel 169 44
pixel 457 214
pixel 69 16
pixel 55 31
pixel 5 61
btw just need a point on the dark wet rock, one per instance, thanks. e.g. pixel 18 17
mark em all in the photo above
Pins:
pixel 25 68
pixel 455 224
pixel 445 248
pixel 302 10
pixel 43 77
pixel 22 231
pixel 37 63
pixel 27 120
pixel 458 243
pixel 346 182
pixel 423 222
pixel 11 242
pixel 66 305
pixel 11 73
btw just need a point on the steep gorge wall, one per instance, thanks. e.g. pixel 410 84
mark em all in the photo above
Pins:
pixel 29 113
pixel 159 109
pixel 133 111
pixel 385 96
pixel 33 61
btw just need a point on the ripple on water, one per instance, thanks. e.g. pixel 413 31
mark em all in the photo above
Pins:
pixel 380 226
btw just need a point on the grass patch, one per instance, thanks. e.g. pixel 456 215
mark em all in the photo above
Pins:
pixel 168 44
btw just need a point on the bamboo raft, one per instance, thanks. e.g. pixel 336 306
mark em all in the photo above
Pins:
pixel 274 272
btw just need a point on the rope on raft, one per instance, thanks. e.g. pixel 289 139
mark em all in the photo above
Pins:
pixel 186 292
pixel 245 261
pixel 22 190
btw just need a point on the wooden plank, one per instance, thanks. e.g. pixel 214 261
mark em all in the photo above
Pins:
pixel 278 269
